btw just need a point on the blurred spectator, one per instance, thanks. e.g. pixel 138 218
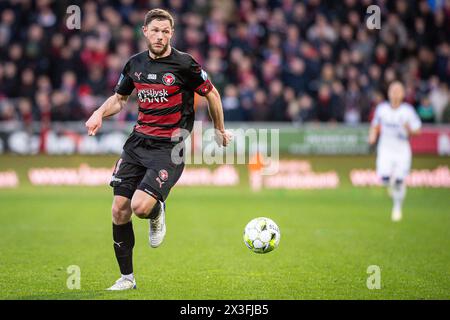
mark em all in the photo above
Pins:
pixel 292 104
pixel 25 110
pixel 295 75
pixel 306 109
pixel 261 109
pixel 439 98
pixel 270 60
pixel 425 110
pixel 27 83
pixel 325 107
pixel 277 104
pixel 355 102
pixel 231 104
pixel 446 114
pixel 7 111
pixel 321 30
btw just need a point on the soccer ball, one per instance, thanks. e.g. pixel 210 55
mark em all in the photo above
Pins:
pixel 261 235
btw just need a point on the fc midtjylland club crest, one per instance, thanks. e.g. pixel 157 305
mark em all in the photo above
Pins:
pixel 162 177
pixel 168 79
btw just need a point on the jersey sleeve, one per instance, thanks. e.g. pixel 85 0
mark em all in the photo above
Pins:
pixel 125 84
pixel 197 78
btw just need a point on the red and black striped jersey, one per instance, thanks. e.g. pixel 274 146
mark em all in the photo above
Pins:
pixel 165 91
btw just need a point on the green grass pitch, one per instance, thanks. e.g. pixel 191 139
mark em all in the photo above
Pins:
pixel 328 240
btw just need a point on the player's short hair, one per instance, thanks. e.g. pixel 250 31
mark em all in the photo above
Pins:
pixel 159 14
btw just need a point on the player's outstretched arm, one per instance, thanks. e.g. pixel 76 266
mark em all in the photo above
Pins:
pixel 373 134
pixel 216 113
pixel 111 106
pixel 412 131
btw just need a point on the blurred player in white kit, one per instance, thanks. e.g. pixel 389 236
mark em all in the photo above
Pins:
pixel 394 122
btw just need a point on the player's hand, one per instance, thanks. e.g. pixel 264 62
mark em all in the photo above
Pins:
pixel 372 140
pixel 94 123
pixel 223 137
pixel 373 135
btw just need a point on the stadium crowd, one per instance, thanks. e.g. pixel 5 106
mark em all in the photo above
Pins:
pixel 271 60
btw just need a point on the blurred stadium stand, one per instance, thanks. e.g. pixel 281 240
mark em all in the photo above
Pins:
pixel 272 60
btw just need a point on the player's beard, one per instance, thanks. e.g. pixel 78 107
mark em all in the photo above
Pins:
pixel 158 52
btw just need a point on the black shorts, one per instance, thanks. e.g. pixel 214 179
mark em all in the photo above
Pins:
pixel 147 165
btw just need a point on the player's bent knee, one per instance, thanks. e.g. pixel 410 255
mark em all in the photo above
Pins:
pixel 142 209
pixel 142 204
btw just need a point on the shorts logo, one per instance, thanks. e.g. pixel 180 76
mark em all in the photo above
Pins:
pixel 163 175
pixel 168 79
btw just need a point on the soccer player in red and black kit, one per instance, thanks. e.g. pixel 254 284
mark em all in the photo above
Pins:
pixel 166 80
